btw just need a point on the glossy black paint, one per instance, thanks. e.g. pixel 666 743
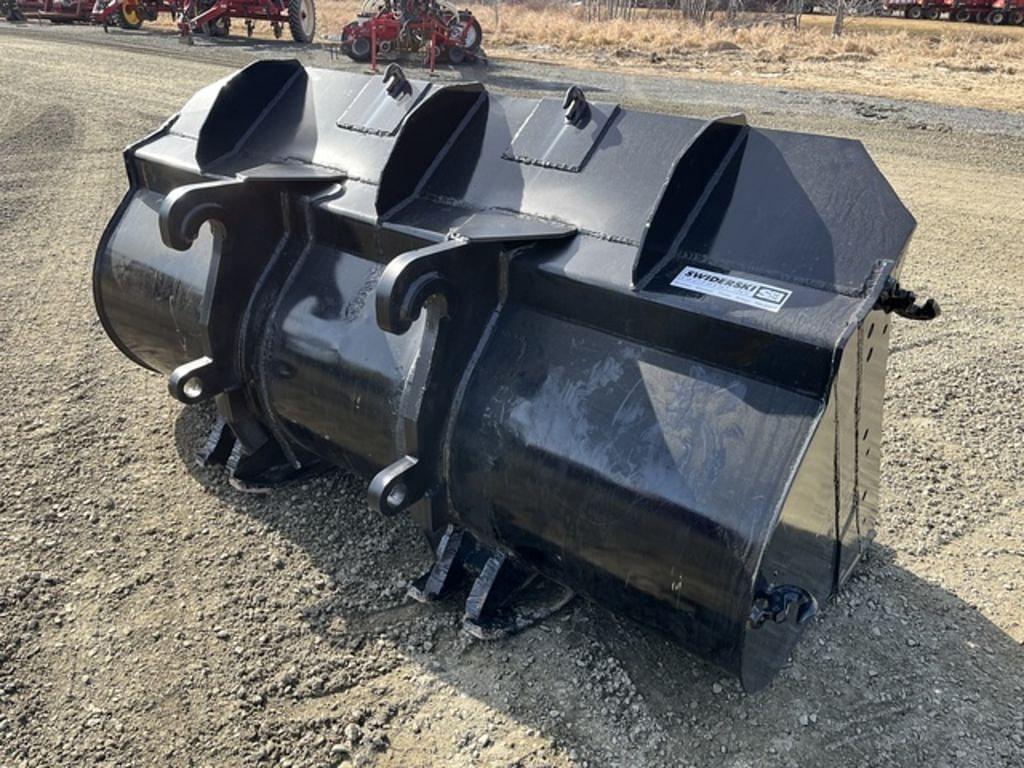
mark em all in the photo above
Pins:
pixel 469 298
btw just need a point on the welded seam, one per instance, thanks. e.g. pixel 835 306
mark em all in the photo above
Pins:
pixel 460 203
pixel 278 429
pixel 837 487
pixel 260 391
pixel 460 393
pixel 857 432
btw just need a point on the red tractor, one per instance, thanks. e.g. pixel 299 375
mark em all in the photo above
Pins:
pixel 408 26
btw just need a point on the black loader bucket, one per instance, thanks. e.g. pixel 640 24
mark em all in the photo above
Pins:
pixel 589 349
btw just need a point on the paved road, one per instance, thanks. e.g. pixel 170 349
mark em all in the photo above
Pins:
pixel 151 615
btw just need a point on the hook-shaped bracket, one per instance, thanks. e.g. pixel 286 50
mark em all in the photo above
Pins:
pixel 414 277
pixel 187 208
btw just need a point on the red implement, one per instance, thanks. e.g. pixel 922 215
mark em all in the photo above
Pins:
pixel 385 29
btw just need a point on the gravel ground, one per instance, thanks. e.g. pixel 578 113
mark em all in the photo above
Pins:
pixel 152 615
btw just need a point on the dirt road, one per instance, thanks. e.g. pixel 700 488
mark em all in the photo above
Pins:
pixel 151 615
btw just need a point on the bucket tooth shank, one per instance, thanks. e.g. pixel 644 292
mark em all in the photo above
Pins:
pixel 219 444
pixel 447 573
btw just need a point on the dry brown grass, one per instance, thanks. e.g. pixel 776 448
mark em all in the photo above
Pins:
pixel 661 33
pixel 934 61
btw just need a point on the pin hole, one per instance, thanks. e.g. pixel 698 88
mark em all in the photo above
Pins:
pixel 192 388
pixel 396 496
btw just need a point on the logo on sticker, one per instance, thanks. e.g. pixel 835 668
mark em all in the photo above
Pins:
pixel 774 295
pixel 738 289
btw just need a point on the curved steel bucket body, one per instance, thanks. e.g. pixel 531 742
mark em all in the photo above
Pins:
pixel 641 355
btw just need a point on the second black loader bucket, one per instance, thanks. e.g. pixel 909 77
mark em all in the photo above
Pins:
pixel 589 349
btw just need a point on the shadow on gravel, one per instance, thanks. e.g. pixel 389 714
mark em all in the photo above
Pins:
pixel 508 78
pixel 896 671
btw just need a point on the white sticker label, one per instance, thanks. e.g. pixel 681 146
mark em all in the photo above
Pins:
pixel 737 289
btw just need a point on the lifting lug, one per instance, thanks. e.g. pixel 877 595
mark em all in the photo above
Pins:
pixel 395 81
pixel 904 303
pixel 195 381
pixel 397 487
pixel 775 604
pixel 577 110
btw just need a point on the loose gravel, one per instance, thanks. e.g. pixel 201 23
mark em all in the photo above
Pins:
pixel 152 615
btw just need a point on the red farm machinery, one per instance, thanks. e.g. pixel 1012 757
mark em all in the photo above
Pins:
pixel 54 11
pixel 385 29
pixel 214 17
pixel 131 14
pixel 987 11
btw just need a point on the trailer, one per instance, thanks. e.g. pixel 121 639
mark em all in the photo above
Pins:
pixel 1006 12
pixel 212 17
pixel 987 11
pixel 919 9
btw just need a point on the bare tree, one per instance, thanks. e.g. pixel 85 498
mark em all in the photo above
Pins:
pixel 763 12
pixel 842 9
pixel 695 10
pixel 840 17
pixel 796 11
pixel 605 10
